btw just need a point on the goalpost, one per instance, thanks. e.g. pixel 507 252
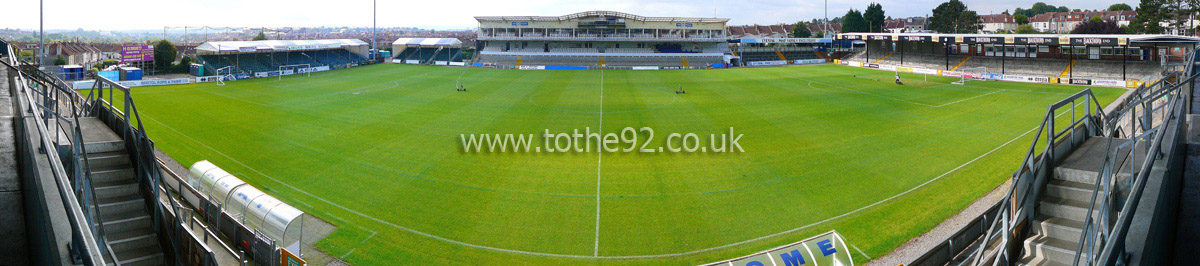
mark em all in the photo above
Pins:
pixel 963 78
pixel 221 78
pixel 305 69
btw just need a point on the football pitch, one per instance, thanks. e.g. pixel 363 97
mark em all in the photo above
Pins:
pixel 376 151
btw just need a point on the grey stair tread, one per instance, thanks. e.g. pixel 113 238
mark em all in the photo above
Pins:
pixel 108 154
pixel 1069 246
pixel 134 255
pixel 123 216
pixel 95 130
pixel 104 169
pixel 1071 184
pixel 1060 221
pixel 120 199
pixel 1066 202
pixel 118 237
pixel 113 183
pixel 1033 261
pixel 1090 155
pixel 109 158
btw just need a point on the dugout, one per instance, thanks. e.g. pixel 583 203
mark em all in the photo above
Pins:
pixel 250 206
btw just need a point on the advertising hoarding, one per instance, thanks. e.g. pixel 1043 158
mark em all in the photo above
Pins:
pixel 137 53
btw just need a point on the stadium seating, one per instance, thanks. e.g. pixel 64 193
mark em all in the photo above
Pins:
pixel 1040 67
pixel 250 63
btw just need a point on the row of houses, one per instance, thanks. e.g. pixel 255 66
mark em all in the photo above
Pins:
pixel 1064 22
pixel 1051 22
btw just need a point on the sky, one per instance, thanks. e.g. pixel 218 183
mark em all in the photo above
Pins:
pixel 443 15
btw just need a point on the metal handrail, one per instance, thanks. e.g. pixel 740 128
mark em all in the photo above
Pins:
pixel 1005 226
pixel 83 240
pixel 83 181
pixel 1097 231
pixel 142 152
pixel 183 184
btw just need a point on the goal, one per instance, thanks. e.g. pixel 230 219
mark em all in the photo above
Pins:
pixel 228 73
pixel 976 73
pixel 305 69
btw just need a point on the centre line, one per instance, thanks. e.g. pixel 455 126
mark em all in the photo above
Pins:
pixel 599 158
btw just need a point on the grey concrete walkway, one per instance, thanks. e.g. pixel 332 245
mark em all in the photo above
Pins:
pixel 13 238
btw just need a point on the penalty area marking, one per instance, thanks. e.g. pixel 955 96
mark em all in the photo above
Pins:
pixel 595 254
pixel 360 243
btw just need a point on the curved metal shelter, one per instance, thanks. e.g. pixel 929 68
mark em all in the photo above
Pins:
pixel 281 222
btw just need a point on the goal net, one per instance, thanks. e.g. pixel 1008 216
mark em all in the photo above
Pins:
pixel 970 73
pixel 295 69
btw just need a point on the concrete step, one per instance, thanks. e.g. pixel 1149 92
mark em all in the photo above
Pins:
pixel 124 203
pixel 151 255
pixel 1075 175
pixel 101 159
pixel 1058 228
pixel 1087 160
pixel 125 221
pixel 110 189
pixel 104 146
pixel 1035 261
pixel 111 173
pixel 132 239
pixel 1056 250
pixel 1064 208
pixel 97 137
pixel 1070 190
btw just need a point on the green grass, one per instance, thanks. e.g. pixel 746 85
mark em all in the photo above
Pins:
pixel 375 149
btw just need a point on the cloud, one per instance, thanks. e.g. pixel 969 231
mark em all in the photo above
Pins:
pixel 155 14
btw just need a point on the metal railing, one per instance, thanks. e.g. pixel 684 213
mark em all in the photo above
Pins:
pixel 82 211
pixel 1148 113
pixel 1142 118
pixel 126 120
pixel 1018 203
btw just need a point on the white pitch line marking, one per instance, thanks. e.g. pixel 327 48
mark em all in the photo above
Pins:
pixel 966 99
pixel 360 243
pixel 599 159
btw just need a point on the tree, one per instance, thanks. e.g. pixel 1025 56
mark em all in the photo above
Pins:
pixel 260 36
pixel 874 16
pixel 58 61
pixel 1039 8
pixel 1120 7
pixel 954 17
pixel 1149 14
pixel 1097 19
pixel 1021 19
pixel 853 22
pixel 1098 27
pixel 164 55
pixel 1026 29
pixel 800 30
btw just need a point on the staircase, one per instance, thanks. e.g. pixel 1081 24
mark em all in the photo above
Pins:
pixel 780 54
pixel 884 57
pixel 1067 71
pixel 1063 210
pixel 123 209
pixel 432 58
pixel 821 55
pixel 960 63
